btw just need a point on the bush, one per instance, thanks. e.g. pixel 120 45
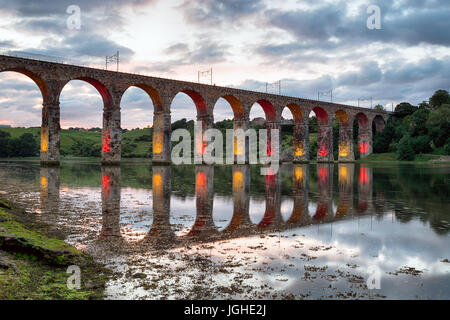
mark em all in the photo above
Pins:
pixel 381 143
pixel 421 144
pixel 313 150
pixel 405 149
pixel 438 125
pixel 145 137
pixel 447 147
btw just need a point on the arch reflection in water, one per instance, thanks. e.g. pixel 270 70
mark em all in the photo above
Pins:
pixel 272 213
pixel 345 180
pixel 110 202
pixel 364 188
pixel 204 195
pixel 241 197
pixel 325 185
pixel 161 232
pixel 300 183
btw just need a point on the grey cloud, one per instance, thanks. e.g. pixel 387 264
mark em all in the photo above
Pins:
pixel 214 12
pixel 26 8
pixel 412 82
pixel 409 24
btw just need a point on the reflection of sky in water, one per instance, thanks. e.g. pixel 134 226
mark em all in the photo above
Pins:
pixel 223 210
pixel 287 205
pixel 256 210
pixel 182 214
pixel 363 241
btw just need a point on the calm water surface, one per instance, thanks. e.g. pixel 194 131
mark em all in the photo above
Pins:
pixel 308 232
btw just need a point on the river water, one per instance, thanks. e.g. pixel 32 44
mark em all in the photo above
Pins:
pixel 326 231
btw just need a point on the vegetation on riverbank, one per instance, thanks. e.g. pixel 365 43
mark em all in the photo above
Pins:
pixel 34 266
pixel 414 131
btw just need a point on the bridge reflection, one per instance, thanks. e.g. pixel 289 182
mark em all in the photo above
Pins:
pixel 162 234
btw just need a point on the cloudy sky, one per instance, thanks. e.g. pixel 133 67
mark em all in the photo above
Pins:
pixel 310 45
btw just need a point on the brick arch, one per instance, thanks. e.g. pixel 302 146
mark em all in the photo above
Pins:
pixel 296 111
pixel 269 109
pixel 152 93
pixel 236 106
pixel 321 114
pixel 379 123
pixel 37 79
pixel 197 98
pixel 363 120
pixel 99 86
pixel 343 118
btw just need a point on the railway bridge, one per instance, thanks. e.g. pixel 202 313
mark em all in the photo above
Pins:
pixel 51 77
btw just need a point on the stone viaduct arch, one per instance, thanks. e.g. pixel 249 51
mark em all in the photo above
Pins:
pixel 52 77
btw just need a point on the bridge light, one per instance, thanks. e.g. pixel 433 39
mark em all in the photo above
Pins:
pixel 44 139
pixel 323 152
pixel 363 147
pixel 238 181
pixel 344 150
pixel 158 142
pixel 106 141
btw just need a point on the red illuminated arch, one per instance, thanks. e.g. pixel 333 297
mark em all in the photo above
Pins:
pixel 33 76
pixel 101 88
pixel 321 114
pixel 343 117
pixel 297 112
pixel 363 121
pixel 236 106
pixel 200 103
pixel 269 109
pixel 153 94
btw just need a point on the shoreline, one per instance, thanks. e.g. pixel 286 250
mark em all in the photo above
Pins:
pixel 371 159
pixel 35 266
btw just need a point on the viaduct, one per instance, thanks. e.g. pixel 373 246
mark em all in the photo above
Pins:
pixel 51 78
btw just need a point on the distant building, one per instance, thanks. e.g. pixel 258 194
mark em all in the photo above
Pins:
pixel 259 121
pixel 5 126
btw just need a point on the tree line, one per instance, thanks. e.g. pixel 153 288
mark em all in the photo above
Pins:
pixel 421 129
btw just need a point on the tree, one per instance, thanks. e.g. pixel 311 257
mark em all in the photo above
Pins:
pixel 421 144
pixel 438 125
pixel 24 146
pixel 447 146
pixel 4 144
pixel 404 109
pixel 439 98
pixel 379 107
pixel 381 143
pixel 419 120
pixel 313 124
pixel 405 150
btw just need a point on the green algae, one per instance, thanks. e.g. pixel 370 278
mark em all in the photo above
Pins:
pixel 34 266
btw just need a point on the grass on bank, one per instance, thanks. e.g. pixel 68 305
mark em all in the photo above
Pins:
pixel 34 266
